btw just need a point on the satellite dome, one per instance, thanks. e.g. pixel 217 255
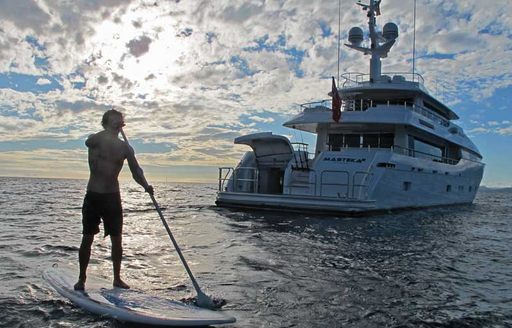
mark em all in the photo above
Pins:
pixel 355 36
pixel 390 31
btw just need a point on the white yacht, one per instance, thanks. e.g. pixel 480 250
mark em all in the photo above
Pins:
pixel 383 142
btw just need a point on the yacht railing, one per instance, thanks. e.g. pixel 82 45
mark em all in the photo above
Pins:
pixel 319 104
pixel 404 151
pixel 354 79
pixel 355 105
pixel 225 174
pixel 301 156
pixel 342 186
pixel 429 114
pixel 418 154
pixel 228 173
pixel 364 104
pixel 347 190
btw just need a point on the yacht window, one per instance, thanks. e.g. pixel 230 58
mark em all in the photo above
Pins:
pixel 448 188
pixel 434 109
pixel 387 165
pixel 402 102
pixel 424 149
pixel 387 140
pixel 361 104
pixel 380 103
pixel 335 142
pixel 371 140
pixel 407 185
pixel 353 140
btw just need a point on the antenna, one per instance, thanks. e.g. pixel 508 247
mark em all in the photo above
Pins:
pixel 339 38
pixel 414 44
pixel 381 42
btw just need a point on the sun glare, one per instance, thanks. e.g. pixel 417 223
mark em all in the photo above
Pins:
pixel 139 48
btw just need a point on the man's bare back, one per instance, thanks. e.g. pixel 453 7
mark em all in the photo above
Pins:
pixel 106 156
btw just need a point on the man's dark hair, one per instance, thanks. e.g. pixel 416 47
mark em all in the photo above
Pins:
pixel 107 115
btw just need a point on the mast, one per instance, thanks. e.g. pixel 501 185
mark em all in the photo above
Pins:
pixel 414 44
pixel 380 42
pixel 375 64
pixel 339 38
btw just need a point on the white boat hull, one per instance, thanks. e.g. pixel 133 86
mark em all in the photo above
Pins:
pixel 365 185
pixel 293 202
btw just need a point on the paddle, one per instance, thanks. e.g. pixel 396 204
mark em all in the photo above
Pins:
pixel 202 299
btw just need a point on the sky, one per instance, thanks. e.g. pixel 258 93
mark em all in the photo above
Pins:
pixel 190 76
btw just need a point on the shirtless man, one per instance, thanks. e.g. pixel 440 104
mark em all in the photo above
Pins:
pixel 102 200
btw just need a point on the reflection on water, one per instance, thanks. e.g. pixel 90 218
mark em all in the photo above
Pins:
pixel 442 267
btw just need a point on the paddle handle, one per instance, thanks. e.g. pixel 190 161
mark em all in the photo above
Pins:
pixel 178 250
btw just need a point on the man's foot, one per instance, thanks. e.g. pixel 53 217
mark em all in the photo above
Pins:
pixel 80 285
pixel 121 284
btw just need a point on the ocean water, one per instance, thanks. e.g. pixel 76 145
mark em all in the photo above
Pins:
pixel 440 267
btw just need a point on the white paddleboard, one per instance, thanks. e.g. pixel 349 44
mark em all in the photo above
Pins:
pixel 130 305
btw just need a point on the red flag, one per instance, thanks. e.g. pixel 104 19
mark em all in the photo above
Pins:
pixel 336 102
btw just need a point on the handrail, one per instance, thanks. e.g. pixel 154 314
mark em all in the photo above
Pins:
pixel 364 187
pixel 233 173
pixel 356 78
pixel 349 105
pixel 431 115
pixel 412 153
pixel 315 104
pixel 346 185
pixel 223 179
pixel 301 148
pixel 308 184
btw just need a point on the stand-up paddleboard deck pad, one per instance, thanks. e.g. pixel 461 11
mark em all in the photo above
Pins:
pixel 130 305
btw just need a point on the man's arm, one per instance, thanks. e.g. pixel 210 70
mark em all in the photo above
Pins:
pixel 137 173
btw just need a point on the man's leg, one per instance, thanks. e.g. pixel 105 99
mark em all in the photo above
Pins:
pixel 117 255
pixel 84 254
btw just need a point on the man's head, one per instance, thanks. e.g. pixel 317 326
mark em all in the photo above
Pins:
pixel 112 119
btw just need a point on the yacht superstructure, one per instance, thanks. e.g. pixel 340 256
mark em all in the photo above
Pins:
pixel 383 142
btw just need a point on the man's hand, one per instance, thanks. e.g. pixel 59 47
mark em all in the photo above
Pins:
pixel 149 189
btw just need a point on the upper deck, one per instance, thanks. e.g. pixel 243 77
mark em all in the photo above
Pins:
pixel 391 86
pixel 356 79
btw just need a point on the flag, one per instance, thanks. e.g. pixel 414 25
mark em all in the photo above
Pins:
pixel 336 102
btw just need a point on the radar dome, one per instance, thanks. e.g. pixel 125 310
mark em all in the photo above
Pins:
pixel 390 31
pixel 355 36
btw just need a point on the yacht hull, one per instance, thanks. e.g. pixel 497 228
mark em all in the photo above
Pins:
pixel 409 183
pixel 298 203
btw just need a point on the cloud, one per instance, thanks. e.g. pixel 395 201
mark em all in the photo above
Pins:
pixel 24 14
pixel 261 119
pixel 139 46
pixel 43 81
pixel 479 130
pixel 506 131
pixel 503 128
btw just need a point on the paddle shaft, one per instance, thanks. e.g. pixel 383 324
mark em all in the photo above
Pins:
pixel 178 250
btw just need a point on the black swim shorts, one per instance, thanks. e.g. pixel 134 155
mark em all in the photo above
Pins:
pixel 106 207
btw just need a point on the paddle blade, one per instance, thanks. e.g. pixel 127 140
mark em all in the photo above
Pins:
pixel 204 301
